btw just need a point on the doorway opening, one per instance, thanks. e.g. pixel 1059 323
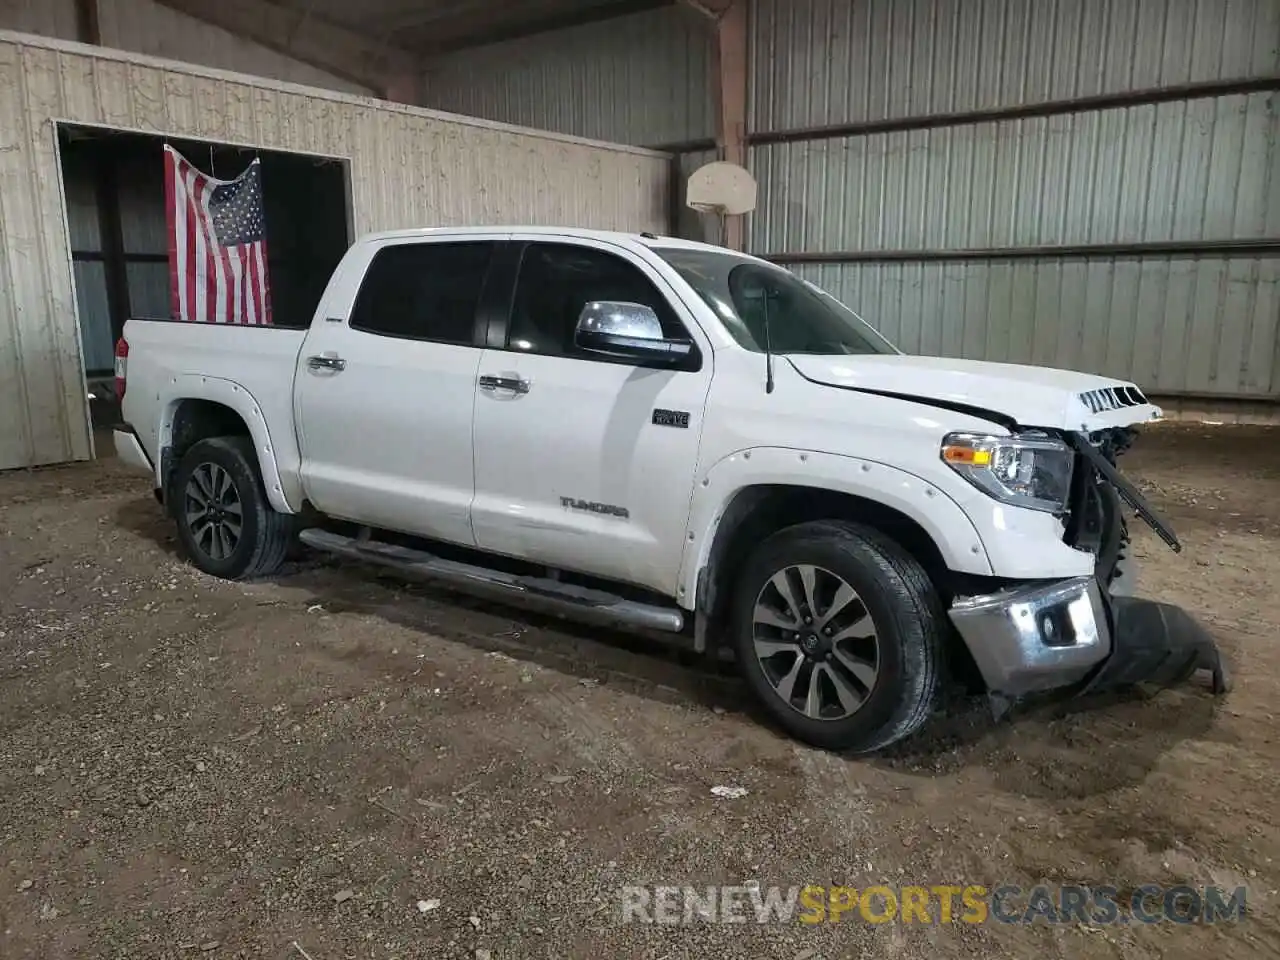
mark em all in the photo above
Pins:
pixel 113 182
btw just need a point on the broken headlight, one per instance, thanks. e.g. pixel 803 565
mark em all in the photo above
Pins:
pixel 1030 470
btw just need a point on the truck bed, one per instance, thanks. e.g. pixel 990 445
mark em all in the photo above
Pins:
pixel 214 359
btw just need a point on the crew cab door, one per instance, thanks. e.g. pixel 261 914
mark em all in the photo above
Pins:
pixel 585 462
pixel 385 388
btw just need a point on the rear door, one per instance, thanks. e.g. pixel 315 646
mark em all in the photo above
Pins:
pixel 385 389
pixel 585 462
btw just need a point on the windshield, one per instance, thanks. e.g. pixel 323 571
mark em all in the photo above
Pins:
pixel 801 317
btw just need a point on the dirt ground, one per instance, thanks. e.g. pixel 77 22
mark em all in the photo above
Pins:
pixel 194 768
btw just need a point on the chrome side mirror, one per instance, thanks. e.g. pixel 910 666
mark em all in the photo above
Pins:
pixel 627 331
pixel 616 318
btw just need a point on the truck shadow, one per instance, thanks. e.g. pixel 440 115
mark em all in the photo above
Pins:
pixel 1060 750
pixel 1070 749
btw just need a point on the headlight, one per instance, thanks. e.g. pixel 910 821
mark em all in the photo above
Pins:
pixel 1026 471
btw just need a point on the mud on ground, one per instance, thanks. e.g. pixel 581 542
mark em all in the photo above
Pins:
pixel 194 768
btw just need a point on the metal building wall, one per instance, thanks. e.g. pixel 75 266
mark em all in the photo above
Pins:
pixel 408 167
pixel 144 26
pixel 639 79
pixel 971 203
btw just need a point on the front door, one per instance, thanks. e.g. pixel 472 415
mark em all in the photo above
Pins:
pixel 584 462
pixel 385 395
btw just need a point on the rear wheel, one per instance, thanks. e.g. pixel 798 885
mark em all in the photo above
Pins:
pixel 839 632
pixel 226 525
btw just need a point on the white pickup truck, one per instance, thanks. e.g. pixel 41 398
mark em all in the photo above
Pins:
pixel 652 433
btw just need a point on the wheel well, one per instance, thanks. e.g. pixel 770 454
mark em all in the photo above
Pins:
pixel 195 420
pixel 757 512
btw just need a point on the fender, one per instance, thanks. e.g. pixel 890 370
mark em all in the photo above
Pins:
pixel 191 386
pixel 941 517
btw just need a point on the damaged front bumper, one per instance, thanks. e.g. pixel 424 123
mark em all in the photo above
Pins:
pixel 1039 637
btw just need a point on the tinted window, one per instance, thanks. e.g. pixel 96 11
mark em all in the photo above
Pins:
pixel 423 291
pixel 758 302
pixel 556 280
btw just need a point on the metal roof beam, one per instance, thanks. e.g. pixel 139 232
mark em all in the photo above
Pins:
pixel 306 37
pixel 448 34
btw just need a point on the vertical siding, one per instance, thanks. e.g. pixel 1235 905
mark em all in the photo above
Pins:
pixel 641 79
pixel 1198 325
pixel 1182 170
pixel 1189 171
pixel 832 61
pixel 407 168
pixel 94 311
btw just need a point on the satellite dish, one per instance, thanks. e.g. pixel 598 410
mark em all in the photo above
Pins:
pixel 722 188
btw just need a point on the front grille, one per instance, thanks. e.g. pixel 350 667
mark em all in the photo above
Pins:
pixel 1112 398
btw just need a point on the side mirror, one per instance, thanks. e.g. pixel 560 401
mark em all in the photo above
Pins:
pixel 628 330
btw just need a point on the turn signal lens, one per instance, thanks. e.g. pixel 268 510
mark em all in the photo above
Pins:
pixel 970 456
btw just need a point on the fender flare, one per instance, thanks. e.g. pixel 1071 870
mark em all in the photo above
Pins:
pixel 950 528
pixel 192 386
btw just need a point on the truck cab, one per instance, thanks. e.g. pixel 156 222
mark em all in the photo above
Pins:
pixel 650 432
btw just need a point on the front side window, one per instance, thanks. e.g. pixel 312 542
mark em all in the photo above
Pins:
pixel 424 291
pixel 763 305
pixel 558 279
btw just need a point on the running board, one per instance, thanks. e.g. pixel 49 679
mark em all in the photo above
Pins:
pixel 552 596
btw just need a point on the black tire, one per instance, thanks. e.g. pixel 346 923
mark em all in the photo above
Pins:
pixel 909 621
pixel 264 536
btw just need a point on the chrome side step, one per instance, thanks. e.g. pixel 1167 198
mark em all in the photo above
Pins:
pixel 551 596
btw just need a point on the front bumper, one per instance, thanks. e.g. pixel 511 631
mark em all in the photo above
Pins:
pixel 1071 633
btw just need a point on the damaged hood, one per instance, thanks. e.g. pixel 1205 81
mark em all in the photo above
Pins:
pixel 1029 396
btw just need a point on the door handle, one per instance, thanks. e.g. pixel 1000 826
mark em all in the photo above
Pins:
pixel 515 384
pixel 326 362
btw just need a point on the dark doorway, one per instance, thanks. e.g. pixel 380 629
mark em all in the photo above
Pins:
pixel 114 187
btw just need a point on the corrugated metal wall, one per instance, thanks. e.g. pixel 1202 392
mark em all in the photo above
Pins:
pixel 407 168
pixel 832 61
pixel 1184 170
pixel 144 26
pixel 940 199
pixel 640 79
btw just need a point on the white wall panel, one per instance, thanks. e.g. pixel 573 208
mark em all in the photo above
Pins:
pixel 408 167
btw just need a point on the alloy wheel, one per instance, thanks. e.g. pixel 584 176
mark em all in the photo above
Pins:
pixel 816 642
pixel 214 512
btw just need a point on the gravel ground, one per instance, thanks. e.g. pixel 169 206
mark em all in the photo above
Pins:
pixel 331 764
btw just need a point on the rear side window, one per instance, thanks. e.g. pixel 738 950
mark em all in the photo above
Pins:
pixel 424 291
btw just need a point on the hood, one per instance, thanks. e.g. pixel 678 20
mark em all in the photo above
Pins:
pixel 1028 396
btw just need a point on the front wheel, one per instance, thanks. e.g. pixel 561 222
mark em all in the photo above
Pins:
pixel 839 633
pixel 225 523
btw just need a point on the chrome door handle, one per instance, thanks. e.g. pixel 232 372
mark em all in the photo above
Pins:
pixel 515 384
pixel 324 362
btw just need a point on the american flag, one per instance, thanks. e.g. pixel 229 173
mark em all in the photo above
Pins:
pixel 217 244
